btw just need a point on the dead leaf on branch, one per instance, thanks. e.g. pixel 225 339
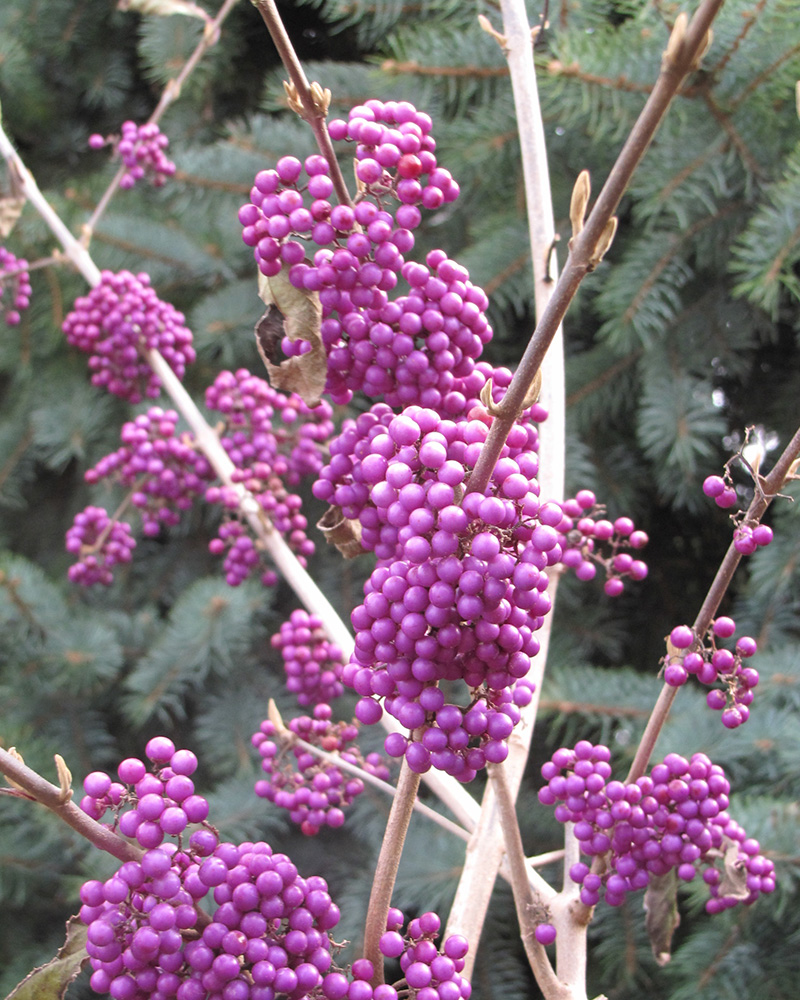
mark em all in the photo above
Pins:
pixel 341 532
pixel 661 914
pixel 734 874
pixel 50 981
pixel 297 314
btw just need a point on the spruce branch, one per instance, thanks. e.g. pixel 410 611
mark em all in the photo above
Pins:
pixel 170 94
pixel 57 800
pixel 309 100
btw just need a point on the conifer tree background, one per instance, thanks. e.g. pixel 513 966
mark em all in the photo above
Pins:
pixel 687 333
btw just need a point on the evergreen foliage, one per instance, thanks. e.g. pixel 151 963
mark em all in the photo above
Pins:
pixel 688 332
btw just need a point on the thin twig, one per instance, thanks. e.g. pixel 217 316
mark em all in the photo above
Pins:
pixel 678 61
pixel 170 93
pixel 52 796
pixel 314 109
pixel 386 870
pixel 388 789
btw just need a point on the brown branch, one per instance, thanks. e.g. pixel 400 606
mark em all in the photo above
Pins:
pixel 573 71
pixel 412 66
pixel 14 458
pixel 679 60
pixel 314 105
pixel 781 256
pixel 210 184
pixel 587 708
pixel 767 488
pixel 386 869
pixel 34 786
pixel 675 242
pixel 763 75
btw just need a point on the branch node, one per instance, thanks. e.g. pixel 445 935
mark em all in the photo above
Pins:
pixel 13 752
pixel 486 25
pixel 581 193
pixel 64 778
pixel 603 244
pixel 677 38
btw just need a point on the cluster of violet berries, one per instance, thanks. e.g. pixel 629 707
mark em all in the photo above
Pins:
pixel 588 541
pixel 100 544
pixel 195 918
pixel 747 537
pixel 430 972
pixel 142 149
pixel 148 804
pixel 163 471
pixel 425 340
pixel 675 818
pixel 713 664
pixel 15 285
pixel 313 790
pixel 272 439
pixel 313 664
pixel 459 589
pixel 116 322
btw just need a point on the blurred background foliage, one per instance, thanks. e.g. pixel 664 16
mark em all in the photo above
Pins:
pixel 687 334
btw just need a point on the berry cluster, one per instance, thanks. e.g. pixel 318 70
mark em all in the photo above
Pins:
pixel 148 805
pixel 582 533
pixel 429 972
pixel 747 538
pixel 142 151
pixel 164 472
pixel 198 918
pixel 271 439
pixel 713 664
pixel 314 791
pixel 120 318
pixel 15 279
pixel 675 818
pixel 101 543
pixel 313 664
pixel 720 490
pixel 418 348
pixel 460 586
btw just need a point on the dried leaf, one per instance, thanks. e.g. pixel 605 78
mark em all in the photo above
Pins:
pixel 734 874
pixel 341 532
pixel 296 314
pixel 662 917
pixel 164 8
pixel 50 982
pixel 10 211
